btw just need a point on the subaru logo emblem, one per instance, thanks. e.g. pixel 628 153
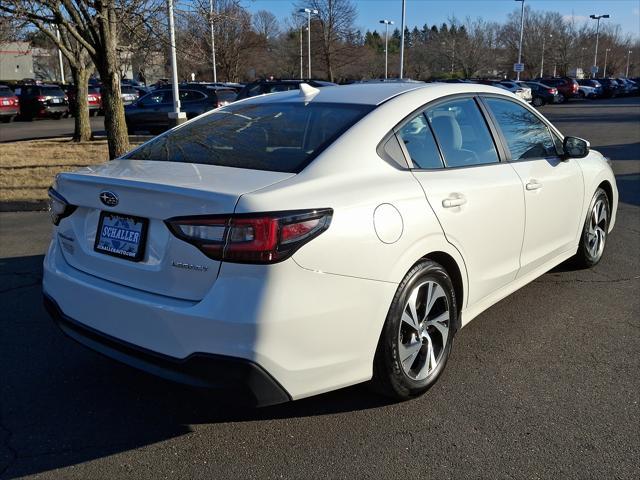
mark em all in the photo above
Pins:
pixel 110 199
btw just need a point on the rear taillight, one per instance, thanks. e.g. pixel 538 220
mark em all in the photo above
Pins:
pixel 59 208
pixel 260 238
pixel 553 91
pixel 575 87
pixel 42 98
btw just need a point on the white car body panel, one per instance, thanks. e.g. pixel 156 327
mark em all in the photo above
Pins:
pixel 313 321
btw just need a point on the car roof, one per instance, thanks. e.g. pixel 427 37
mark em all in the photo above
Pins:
pixel 374 93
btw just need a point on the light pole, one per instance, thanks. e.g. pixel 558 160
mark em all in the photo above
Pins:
pixel 60 57
pixel 213 42
pixel 628 60
pixel 308 11
pixel 301 71
pixel 404 10
pixel 606 55
pixel 595 58
pixel 176 117
pixel 386 46
pixel 582 50
pixel 521 37
pixel 544 38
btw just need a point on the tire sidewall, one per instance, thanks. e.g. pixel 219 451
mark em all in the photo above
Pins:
pixel 401 382
pixel 589 260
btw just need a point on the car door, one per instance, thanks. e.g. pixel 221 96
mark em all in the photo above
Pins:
pixel 193 103
pixel 154 109
pixel 477 198
pixel 554 188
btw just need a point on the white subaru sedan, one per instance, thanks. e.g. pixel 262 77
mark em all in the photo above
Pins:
pixel 299 242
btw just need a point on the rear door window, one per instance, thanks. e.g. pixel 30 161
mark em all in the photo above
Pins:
pixel 418 140
pixel 462 133
pixel 190 96
pixel 527 136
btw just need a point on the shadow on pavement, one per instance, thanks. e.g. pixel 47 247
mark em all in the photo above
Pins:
pixel 62 404
pixel 629 188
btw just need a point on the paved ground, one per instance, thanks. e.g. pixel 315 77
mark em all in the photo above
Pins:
pixel 44 128
pixel 545 384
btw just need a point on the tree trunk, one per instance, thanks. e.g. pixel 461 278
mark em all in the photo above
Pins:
pixel 114 121
pixel 82 125
pixel 107 64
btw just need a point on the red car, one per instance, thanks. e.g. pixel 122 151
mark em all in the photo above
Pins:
pixel 9 104
pixel 94 98
pixel 567 86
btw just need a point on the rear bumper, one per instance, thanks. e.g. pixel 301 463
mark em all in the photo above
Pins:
pixel 8 112
pixel 197 370
pixel 296 325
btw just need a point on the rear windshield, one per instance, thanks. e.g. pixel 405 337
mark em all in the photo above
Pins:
pixel 278 137
pixel 52 91
pixel 6 92
pixel 127 89
pixel 226 95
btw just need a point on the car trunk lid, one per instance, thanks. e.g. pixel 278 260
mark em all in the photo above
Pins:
pixel 150 192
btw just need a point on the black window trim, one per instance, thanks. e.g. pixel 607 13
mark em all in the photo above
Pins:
pixel 552 130
pixel 493 132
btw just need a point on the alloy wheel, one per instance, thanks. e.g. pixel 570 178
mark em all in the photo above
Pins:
pixel 597 229
pixel 424 330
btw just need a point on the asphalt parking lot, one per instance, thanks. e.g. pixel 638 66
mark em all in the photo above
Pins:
pixel 45 128
pixel 545 384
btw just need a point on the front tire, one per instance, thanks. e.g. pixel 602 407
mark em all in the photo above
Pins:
pixel 595 231
pixel 417 336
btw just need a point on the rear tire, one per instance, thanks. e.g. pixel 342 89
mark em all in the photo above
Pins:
pixel 594 232
pixel 8 119
pixel 537 102
pixel 417 336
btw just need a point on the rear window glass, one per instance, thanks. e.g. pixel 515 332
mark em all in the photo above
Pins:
pixel 52 91
pixel 126 89
pixel 226 95
pixel 6 92
pixel 279 137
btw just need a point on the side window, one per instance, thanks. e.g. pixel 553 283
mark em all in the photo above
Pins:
pixel 526 135
pixel 418 140
pixel 462 133
pixel 190 96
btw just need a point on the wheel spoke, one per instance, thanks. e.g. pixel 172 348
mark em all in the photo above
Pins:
pixel 431 358
pixel 437 323
pixel 413 307
pixel 435 292
pixel 408 353
pixel 406 318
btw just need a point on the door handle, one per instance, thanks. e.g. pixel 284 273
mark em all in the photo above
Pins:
pixel 533 185
pixel 454 201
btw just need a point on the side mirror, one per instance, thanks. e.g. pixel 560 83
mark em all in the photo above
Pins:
pixel 575 147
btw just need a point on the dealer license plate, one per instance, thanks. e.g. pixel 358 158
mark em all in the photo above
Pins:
pixel 122 236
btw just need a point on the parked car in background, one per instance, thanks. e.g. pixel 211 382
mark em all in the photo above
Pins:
pixel 522 91
pixel 629 87
pixel 589 88
pixel 42 101
pixel 150 113
pixel 296 243
pixel 610 88
pixel 9 104
pixel 567 86
pixel 129 94
pixel 94 99
pixel 542 94
pixel 260 87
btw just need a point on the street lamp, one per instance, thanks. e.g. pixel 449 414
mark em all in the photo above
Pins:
pixel 308 11
pixel 301 72
pixel 386 46
pixel 521 37
pixel 544 38
pixel 404 10
pixel 60 57
pixel 606 55
pixel 595 58
pixel 176 117
pixel 628 60
pixel 213 42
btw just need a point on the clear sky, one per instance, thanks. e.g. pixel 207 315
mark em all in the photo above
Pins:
pixel 624 12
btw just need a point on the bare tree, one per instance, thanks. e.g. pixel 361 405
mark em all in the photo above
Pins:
pixel 94 25
pixel 266 24
pixel 335 20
